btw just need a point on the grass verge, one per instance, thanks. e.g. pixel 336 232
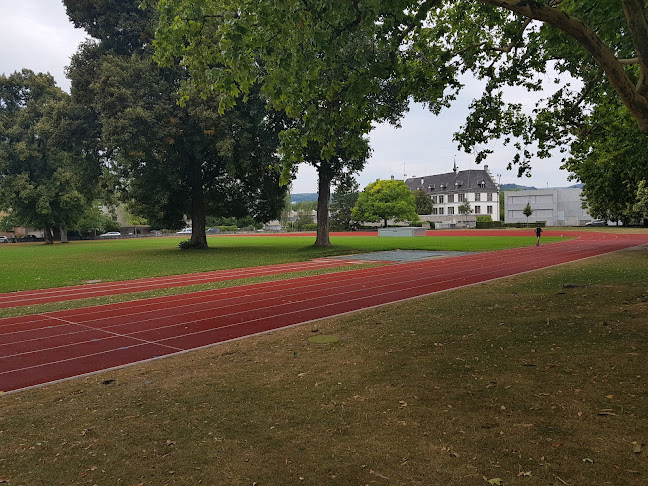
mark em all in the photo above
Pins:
pixel 538 379
pixel 125 297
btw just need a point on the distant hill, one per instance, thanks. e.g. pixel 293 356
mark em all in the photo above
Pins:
pixel 303 196
pixel 516 187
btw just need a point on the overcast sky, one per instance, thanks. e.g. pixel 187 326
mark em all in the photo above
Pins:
pixel 36 34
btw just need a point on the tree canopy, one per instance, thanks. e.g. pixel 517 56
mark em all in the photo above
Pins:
pixel 423 202
pixel 44 181
pixel 343 200
pixel 364 58
pixel 170 160
pixel 385 200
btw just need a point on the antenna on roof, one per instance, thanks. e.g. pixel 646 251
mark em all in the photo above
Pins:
pixel 454 169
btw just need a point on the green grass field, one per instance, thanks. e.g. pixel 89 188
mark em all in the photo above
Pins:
pixel 34 266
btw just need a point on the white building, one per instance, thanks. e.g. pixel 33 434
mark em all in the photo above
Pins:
pixel 451 190
pixel 557 207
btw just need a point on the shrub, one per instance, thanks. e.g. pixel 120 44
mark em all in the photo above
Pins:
pixel 489 224
pixel 188 245
pixel 525 225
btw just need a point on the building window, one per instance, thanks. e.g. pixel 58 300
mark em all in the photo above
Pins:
pixel 435 211
pixel 450 198
pixel 489 209
pixel 440 199
pixel 461 197
pixel 440 210
pixel 451 210
pixel 489 196
pixel 434 199
pixel 477 209
pixel 478 196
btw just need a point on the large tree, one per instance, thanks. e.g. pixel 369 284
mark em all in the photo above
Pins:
pixel 385 200
pixel 323 64
pixel 171 160
pixel 580 53
pixel 343 200
pixel 610 159
pixel 597 49
pixel 44 181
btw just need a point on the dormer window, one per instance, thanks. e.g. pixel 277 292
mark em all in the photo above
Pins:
pixel 482 184
pixel 431 186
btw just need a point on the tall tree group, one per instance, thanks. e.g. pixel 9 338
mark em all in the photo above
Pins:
pixel 356 62
pixel 45 181
pixel 169 159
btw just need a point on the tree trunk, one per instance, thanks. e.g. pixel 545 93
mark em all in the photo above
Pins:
pixel 198 236
pixel 323 198
pixel 49 238
pixel 64 237
pixel 385 220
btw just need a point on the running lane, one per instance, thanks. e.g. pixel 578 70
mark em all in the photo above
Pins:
pixel 44 296
pixel 48 347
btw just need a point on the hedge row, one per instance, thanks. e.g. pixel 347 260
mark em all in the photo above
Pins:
pixel 500 224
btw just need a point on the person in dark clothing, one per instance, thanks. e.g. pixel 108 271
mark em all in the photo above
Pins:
pixel 538 232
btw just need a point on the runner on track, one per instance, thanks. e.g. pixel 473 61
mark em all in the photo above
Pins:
pixel 538 232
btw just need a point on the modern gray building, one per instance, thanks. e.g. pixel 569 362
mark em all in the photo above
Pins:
pixel 556 207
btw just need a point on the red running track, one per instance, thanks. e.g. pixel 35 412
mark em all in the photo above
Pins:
pixel 48 347
pixel 76 292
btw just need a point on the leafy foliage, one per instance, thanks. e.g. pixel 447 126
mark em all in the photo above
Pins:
pixel 170 160
pixel 465 208
pixel 384 200
pixel 44 182
pixel 343 200
pixel 423 202
pixel 338 66
pixel 611 159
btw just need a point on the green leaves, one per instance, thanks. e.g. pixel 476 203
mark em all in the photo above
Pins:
pixel 42 174
pixel 384 200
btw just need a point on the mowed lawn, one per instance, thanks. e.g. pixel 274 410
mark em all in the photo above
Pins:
pixel 35 265
pixel 538 379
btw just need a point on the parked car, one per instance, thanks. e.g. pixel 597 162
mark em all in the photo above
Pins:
pixel 29 238
pixel 212 231
pixel 596 222
pixel 4 239
pixel 109 234
pixel 184 231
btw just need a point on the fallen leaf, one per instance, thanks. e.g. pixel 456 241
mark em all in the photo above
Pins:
pixel 637 448
pixel 496 481
pixel 525 474
pixel 606 412
pixel 588 460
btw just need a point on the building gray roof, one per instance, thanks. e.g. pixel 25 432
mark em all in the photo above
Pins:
pixel 454 182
